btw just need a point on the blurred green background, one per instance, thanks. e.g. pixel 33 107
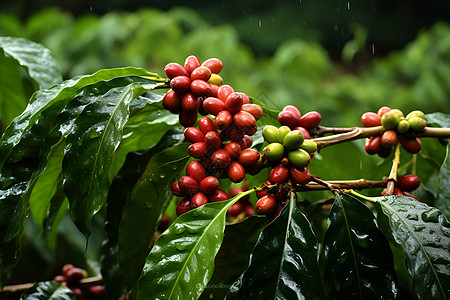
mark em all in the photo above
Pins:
pixel 341 58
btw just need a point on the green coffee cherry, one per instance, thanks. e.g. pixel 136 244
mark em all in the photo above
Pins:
pixel 293 139
pixel 274 151
pixel 390 120
pixel 398 112
pixel 309 146
pixel 299 158
pixel 416 113
pixel 403 126
pixel 417 124
pixel 282 131
pixel 270 133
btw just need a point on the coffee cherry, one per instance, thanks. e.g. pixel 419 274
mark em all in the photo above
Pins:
pixel 175 189
pixel 279 174
pixel 398 112
pixel 233 103
pixel 270 134
pixel 383 110
pixel 402 126
pixel 196 170
pixel 213 87
pixel 219 195
pixel 389 139
pixel 59 278
pixel 293 139
pixel 398 192
pixel 300 175
pixel 183 206
pixel 77 291
pixel 294 110
pixel 274 151
pixel 232 133
pixel 390 120
pixel 408 183
pixel 217 80
pixel 73 276
pixel 206 125
pixel 188 185
pixel 248 157
pixel 246 122
pixel 221 158
pixel 282 132
pixel 66 269
pixel 194 135
pixel 266 205
pixel 199 199
pixel 412 145
pixel 198 150
pixel 214 64
pixel 370 119
pixel 304 131
pixel 411 195
pixel 236 172
pixel 173 70
pixel 245 98
pixel 190 102
pixel 249 210
pixel 172 101
pixel 299 158
pixel 201 73
pixel 96 290
pixel 191 63
pixel 187 118
pixel 310 119
pixel 235 209
pixel 255 110
pixel 233 149
pixel 223 119
pixel 417 124
pixel 209 185
pixel 373 145
pixel 180 84
pixel 224 91
pixel 416 113
pixel 248 141
pixel 213 105
pixel 213 140
pixel 289 118
pixel 200 88
pixel 309 146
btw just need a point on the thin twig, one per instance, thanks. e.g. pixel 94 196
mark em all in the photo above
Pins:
pixel 394 171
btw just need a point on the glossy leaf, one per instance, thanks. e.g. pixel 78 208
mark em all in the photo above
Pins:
pixel 35 58
pixel 358 261
pixel 424 234
pixel 182 260
pixel 142 213
pixel 283 264
pixel 48 290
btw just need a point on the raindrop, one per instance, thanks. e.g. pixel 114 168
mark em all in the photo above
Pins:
pixel 182 246
pixel 373 49
pixel 431 215
pixel 162 176
pixel 419 228
pixel 179 228
pixel 348 5
pixel 259 23
pixel 412 217
pixel 148 204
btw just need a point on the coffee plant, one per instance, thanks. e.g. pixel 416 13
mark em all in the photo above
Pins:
pixel 207 193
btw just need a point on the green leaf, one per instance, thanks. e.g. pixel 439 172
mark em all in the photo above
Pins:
pixel 48 290
pixel 36 59
pixel 358 261
pixel 182 260
pixel 142 213
pixel 283 264
pixel 424 234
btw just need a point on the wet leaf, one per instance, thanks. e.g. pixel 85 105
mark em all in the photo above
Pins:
pixel 357 257
pixel 283 264
pixel 48 290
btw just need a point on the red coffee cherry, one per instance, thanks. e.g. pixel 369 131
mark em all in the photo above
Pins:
pixel 73 276
pixel 300 176
pixel 191 63
pixel 180 84
pixel 370 119
pixel 66 268
pixel 245 98
pixel 200 88
pixel 383 110
pixel 398 192
pixel 196 170
pixel 235 209
pixel 412 145
pixel 202 73
pixel 183 206
pixel 187 118
pixel 232 133
pixel 175 189
pixel 389 139
pixel 213 140
pixel 190 102
pixel 224 91
pixel 373 145
pixel 384 152
pixel 248 157
pixel 206 125
pixel 213 105
pixel 266 205
pixel 173 70
pixel 199 199
pixel 305 132
pixel 249 210
pixel 236 172
pixel 219 195
pixel 246 122
pixel 59 278
pixel 233 149
pixel 223 119
pixel 188 185
pixel 172 101
pixel 411 195
pixel 221 158
pixel 77 291
pixel 209 185
pixel 248 141
pixel 214 89
pixel 408 183
pixel 198 150
pixel 280 196
pixel 96 290
pixel 234 191
pixel 310 119
pixel 279 174
pixel 233 103
pixel 214 64
pixel 194 135
pixel 255 110
pixel 289 118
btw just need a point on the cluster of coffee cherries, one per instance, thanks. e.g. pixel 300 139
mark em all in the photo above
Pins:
pixel 405 185
pixel 291 117
pixel 71 277
pixel 397 128
pixel 242 206
pixel 220 145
